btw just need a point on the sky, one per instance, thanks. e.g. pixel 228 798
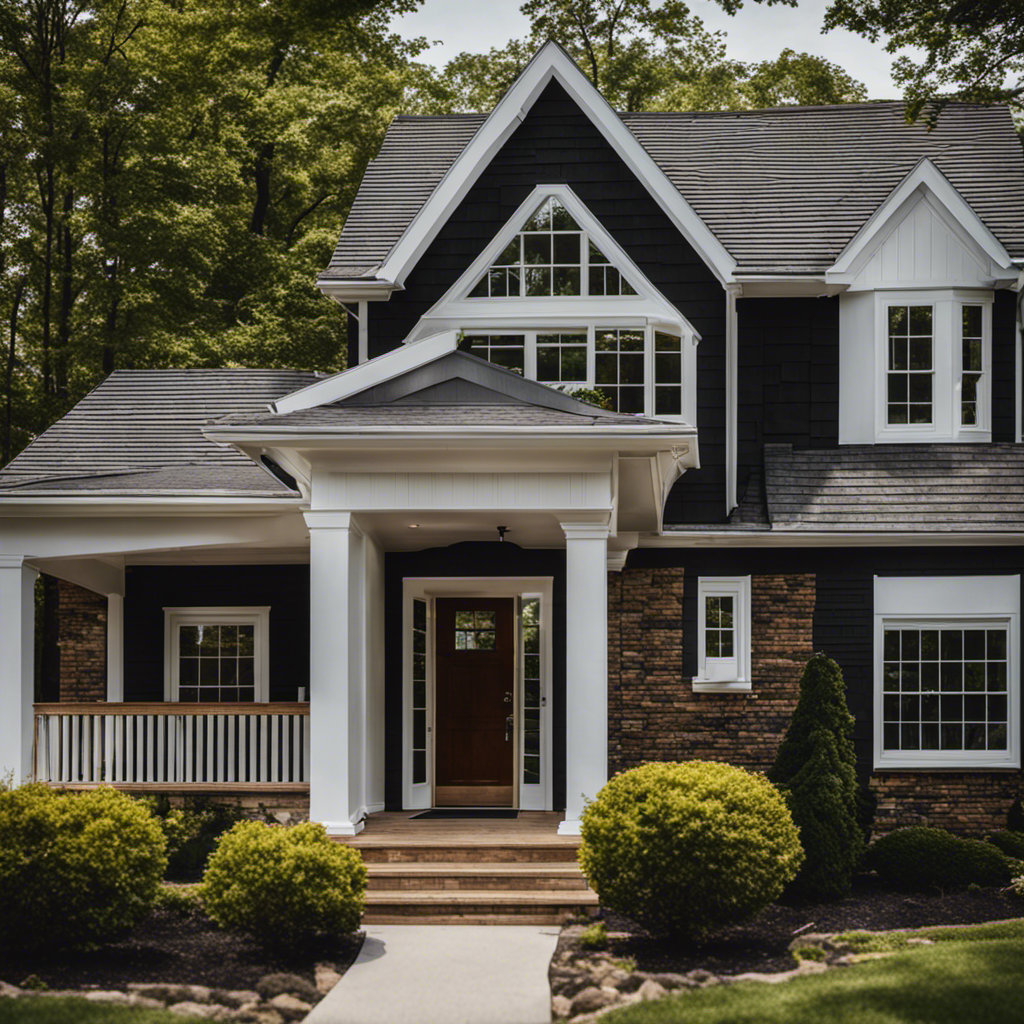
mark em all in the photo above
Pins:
pixel 756 33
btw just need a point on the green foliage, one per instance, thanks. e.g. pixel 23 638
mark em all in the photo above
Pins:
pixel 644 56
pixel 918 857
pixel 191 831
pixel 972 51
pixel 595 936
pixel 284 885
pixel 593 396
pixel 63 1009
pixel 179 900
pixel 687 847
pixel 1011 843
pixel 815 768
pixel 809 952
pixel 75 868
pixel 1017 885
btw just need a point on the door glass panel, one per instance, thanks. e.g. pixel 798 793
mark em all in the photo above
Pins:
pixel 474 630
pixel 530 660
pixel 419 692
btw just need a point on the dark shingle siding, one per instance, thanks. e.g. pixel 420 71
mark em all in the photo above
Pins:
pixel 784 190
pixel 149 421
pixel 905 488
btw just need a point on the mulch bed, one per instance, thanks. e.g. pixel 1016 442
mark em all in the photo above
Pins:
pixel 170 948
pixel 762 944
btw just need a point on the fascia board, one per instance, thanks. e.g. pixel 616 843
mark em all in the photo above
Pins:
pixel 551 62
pixel 925 177
pixel 365 375
pixel 649 302
pixel 357 291
pixel 811 539
pixel 21 507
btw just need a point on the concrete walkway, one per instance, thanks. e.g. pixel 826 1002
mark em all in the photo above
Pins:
pixel 445 974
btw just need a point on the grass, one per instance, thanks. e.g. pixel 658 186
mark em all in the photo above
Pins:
pixel 972 973
pixel 61 1010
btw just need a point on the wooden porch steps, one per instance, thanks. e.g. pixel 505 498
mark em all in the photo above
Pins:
pixel 461 872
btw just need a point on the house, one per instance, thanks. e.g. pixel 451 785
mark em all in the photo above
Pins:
pixel 438 578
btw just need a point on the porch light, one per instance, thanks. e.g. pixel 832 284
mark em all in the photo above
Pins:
pixel 414 526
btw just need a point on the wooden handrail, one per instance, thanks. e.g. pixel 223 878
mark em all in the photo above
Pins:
pixel 174 708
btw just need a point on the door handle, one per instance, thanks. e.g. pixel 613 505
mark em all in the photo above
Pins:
pixel 509 724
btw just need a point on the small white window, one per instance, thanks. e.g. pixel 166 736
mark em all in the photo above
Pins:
pixel 723 634
pixel 217 655
pixel 946 672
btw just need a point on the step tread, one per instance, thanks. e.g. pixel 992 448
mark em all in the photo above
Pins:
pixel 439 867
pixel 487 896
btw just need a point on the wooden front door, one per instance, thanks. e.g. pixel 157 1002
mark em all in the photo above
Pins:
pixel 474 727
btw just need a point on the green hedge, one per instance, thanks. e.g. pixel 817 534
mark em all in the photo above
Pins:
pixel 284 885
pixel 686 847
pixel 918 857
pixel 75 868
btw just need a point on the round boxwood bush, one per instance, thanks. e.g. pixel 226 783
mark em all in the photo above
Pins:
pixel 687 847
pixel 75 868
pixel 1011 843
pixel 918 857
pixel 284 885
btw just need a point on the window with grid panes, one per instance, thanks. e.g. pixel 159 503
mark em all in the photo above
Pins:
pixel 507 350
pixel 972 340
pixel 562 357
pixel 531 690
pixel 216 663
pixel 419 691
pixel 945 686
pixel 619 368
pixel 911 367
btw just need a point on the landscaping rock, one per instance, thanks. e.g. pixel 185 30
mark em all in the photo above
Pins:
pixel 650 989
pixel 143 1003
pixel 593 998
pixel 920 942
pixel 567 982
pixel 673 981
pixel 289 1007
pixel 561 1006
pixel 702 978
pixel 326 978
pixel 10 991
pixel 271 985
pixel 629 981
pixel 172 993
pixel 234 998
pixel 107 997
pixel 255 1014
pixel 189 1008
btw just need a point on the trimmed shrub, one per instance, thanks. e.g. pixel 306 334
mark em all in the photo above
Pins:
pixel 815 768
pixel 1015 818
pixel 1011 843
pixel 918 857
pixel 687 847
pixel 191 832
pixel 284 885
pixel 75 868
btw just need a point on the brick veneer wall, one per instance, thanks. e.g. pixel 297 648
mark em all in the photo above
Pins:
pixel 967 802
pixel 82 639
pixel 654 713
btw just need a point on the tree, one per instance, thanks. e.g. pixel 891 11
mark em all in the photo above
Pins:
pixel 643 57
pixel 815 768
pixel 973 49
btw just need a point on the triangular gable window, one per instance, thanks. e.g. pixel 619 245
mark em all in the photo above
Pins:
pixel 551 256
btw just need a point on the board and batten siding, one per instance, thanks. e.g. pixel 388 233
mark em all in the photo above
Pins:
pixel 151 588
pixel 557 144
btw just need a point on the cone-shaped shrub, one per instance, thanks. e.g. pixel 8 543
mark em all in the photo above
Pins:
pixel 815 769
pixel 687 847
pixel 1015 819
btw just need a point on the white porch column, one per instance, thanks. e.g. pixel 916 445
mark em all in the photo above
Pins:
pixel 17 666
pixel 337 681
pixel 115 647
pixel 586 677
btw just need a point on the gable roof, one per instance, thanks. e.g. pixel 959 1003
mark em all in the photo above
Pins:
pixel 783 190
pixel 140 432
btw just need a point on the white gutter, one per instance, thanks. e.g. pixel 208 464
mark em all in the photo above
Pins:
pixel 854 539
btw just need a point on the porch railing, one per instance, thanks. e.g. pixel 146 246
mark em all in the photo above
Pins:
pixel 219 746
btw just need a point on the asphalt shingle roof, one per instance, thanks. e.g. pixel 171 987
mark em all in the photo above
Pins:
pixel 140 432
pixel 932 488
pixel 784 190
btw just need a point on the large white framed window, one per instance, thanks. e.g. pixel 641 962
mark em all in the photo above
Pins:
pixel 947 672
pixel 933 361
pixel 217 655
pixel 644 369
pixel 723 634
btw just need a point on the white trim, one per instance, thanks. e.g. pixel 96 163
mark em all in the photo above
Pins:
pixel 724 675
pixel 816 539
pixel 732 397
pixel 115 648
pixel 428 588
pixel 363 345
pixel 366 375
pixel 356 289
pixel 931 600
pixel 258 616
pixel 550 63
pixel 926 178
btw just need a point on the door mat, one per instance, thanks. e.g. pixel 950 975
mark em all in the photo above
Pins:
pixel 467 812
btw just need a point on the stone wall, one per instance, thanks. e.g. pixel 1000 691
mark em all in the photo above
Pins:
pixel 967 802
pixel 654 713
pixel 82 639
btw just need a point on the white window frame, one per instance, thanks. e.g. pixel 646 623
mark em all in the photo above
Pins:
pixel 530 328
pixel 724 675
pixel 930 602
pixel 256 616
pixel 947 366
